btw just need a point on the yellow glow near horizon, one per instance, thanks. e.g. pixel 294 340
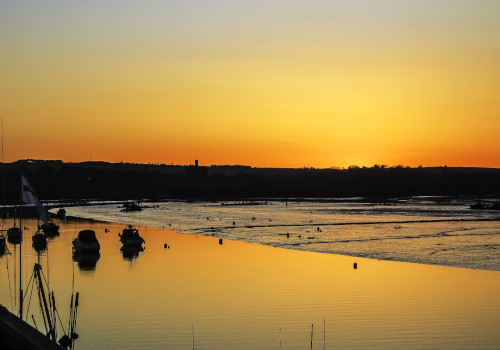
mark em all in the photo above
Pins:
pixel 351 84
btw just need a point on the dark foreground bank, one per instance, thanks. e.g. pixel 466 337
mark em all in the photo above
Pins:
pixel 16 334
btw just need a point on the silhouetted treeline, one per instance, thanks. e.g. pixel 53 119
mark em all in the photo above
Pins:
pixel 119 181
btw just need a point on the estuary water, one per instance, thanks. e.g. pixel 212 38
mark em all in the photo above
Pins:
pixel 206 288
pixel 428 230
pixel 193 291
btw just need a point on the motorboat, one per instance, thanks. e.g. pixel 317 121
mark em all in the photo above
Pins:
pixel 50 229
pixel 14 235
pixel 39 241
pixel 130 237
pixel 128 206
pixel 61 213
pixel 86 242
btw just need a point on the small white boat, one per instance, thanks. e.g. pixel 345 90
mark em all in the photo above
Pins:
pixel 86 242
pixel 130 237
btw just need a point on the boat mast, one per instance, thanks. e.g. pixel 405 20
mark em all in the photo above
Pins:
pixel 20 261
pixel 3 177
pixel 43 297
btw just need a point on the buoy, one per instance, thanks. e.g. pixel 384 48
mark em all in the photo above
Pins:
pixel 220 241
pixel 165 246
pixel 355 266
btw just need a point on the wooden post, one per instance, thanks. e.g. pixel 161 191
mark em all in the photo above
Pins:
pixel 312 333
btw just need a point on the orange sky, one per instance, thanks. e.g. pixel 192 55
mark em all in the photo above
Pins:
pixel 263 83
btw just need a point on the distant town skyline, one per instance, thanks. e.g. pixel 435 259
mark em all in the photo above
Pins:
pixel 197 163
pixel 264 83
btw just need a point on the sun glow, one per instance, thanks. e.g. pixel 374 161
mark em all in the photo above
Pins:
pixel 319 85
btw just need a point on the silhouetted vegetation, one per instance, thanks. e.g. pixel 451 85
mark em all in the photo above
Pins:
pixel 122 181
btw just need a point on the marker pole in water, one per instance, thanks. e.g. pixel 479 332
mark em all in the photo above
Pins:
pixel 324 333
pixel 312 333
pixel 192 328
pixel 280 338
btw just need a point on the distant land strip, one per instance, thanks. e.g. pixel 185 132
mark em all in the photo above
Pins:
pixel 56 180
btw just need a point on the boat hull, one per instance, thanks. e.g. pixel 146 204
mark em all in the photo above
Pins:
pixel 14 235
pixel 132 242
pixel 39 241
pixel 130 237
pixel 85 247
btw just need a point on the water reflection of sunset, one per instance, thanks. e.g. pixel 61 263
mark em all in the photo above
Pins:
pixel 239 295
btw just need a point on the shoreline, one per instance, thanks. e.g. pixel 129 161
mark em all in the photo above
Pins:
pixel 341 254
pixel 298 246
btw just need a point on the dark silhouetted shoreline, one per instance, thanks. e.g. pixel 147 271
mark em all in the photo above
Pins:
pixel 56 180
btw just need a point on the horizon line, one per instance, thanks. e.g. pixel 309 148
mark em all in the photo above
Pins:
pixel 350 167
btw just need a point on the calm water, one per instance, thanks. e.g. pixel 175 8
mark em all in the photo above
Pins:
pixel 429 230
pixel 238 295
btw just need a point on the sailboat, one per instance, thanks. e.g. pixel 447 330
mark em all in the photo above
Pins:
pixel 29 196
pixel 22 333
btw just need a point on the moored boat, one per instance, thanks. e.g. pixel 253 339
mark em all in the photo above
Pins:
pixel 17 333
pixel 130 206
pixel 130 237
pixel 14 235
pixel 86 242
pixel 61 213
pixel 50 229
pixel 39 241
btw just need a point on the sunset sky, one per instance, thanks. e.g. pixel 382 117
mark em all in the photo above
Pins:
pixel 269 83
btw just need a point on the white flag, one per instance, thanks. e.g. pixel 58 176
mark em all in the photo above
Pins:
pixel 29 196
